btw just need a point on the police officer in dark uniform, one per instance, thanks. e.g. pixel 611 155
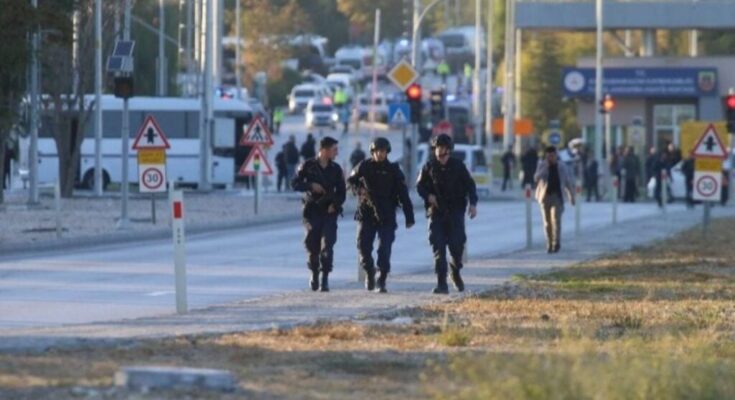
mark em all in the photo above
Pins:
pixel 446 186
pixel 381 187
pixel 323 184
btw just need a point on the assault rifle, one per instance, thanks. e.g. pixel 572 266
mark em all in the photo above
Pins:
pixel 370 201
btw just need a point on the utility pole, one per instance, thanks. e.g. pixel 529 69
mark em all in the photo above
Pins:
pixel 161 49
pixel 207 94
pixel 98 189
pixel 476 106
pixel 238 80
pixel 489 82
pixel 598 84
pixel 33 156
pixel 124 222
pixel 508 95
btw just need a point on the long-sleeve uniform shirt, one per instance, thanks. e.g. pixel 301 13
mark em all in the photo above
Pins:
pixel 330 178
pixel 451 183
pixel 386 189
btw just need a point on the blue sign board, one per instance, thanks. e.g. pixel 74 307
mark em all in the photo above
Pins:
pixel 642 82
pixel 399 113
pixel 554 138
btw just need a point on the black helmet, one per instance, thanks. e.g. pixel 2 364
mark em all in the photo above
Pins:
pixel 442 140
pixel 380 144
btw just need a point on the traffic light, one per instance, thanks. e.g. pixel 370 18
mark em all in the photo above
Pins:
pixel 730 113
pixel 413 94
pixel 123 87
pixel 607 104
pixel 436 99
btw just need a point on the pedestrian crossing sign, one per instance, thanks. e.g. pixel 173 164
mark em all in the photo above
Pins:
pixel 256 161
pixel 256 133
pixel 399 114
pixel 150 136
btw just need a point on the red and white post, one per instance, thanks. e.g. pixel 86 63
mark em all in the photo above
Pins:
pixel 616 190
pixel 578 207
pixel 179 237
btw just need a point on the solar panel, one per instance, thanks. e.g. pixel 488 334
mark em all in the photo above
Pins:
pixel 114 64
pixel 124 48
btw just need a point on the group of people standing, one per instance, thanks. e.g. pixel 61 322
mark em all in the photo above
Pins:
pixel 289 157
pixel 444 184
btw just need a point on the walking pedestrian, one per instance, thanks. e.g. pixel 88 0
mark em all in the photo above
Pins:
pixel 447 187
pixel 277 120
pixel 308 148
pixel 529 162
pixel 292 157
pixel 632 168
pixel 357 155
pixel 659 168
pixel 553 179
pixel 322 181
pixel 281 168
pixel 509 161
pixel 591 178
pixel 381 188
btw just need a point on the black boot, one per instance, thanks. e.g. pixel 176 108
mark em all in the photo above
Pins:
pixel 381 282
pixel 557 247
pixel 314 281
pixel 457 280
pixel 324 287
pixel 370 279
pixel 441 284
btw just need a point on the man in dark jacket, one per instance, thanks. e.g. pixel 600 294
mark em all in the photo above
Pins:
pixel 447 187
pixel 322 181
pixel 632 170
pixel 381 188
pixel 509 161
pixel 292 157
pixel 308 148
pixel 357 155
pixel 281 169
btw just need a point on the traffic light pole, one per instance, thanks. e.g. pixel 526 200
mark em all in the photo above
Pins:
pixel 124 222
pixel 609 153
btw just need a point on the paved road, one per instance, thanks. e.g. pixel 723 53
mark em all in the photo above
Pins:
pixel 136 280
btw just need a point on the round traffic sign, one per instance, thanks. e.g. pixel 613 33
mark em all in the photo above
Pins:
pixel 152 178
pixel 442 127
pixel 706 186
pixel 554 138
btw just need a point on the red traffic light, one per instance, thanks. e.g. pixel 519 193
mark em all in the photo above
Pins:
pixel 608 103
pixel 414 92
pixel 730 102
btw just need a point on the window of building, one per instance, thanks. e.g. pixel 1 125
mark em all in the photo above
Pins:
pixel 666 121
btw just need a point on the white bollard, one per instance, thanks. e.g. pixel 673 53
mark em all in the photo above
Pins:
pixel 578 208
pixel 57 207
pixel 179 237
pixel 529 218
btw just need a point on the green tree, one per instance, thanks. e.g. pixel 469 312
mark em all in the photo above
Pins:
pixel 17 19
pixel 541 83
pixel 361 15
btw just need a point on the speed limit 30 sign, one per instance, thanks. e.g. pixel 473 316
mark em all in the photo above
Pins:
pixel 152 170
pixel 707 185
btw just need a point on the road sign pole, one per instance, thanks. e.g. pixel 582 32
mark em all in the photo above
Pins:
pixel 414 155
pixel 124 222
pixel 57 208
pixel 257 190
pixel 153 208
pixel 615 192
pixel 179 238
pixel 706 218
pixel 578 208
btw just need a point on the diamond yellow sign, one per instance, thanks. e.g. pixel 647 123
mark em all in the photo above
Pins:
pixel 403 75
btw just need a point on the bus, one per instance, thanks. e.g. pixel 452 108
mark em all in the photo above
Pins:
pixel 179 121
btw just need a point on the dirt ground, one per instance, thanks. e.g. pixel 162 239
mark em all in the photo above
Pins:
pixel 653 322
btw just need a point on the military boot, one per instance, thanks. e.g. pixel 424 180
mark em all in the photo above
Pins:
pixel 457 280
pixel 370 279
pixel 441 284
pixel 314 281
pixel 381 283
pixel 324 287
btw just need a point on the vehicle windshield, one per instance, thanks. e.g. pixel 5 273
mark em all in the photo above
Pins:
pixel 321 108
pixel 352 63
pixel 335 84
pixel 367 100
pixel 304 93
pixel 453 40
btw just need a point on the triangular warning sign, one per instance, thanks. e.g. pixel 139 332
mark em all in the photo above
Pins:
pixel 399 117
pixel 256 133
pixel 709 145
pixel 150 136
pixel 256 158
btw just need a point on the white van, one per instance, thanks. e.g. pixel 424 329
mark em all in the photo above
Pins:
pixel 459 45
pixel 301 94
pixel 474 159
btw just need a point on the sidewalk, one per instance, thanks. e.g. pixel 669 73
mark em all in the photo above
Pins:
pixel 351 301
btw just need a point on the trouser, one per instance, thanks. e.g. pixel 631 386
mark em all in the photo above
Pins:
pixel 506 180
pixel 447 232
pixel 593 189
pixel 551 209
pixel 321 234
pixel 631 190
pixel 366 232
pixel 282 179
pixel 290 171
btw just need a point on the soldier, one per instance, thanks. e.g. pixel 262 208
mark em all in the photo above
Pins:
pixel 381 187
pixel 446 186
pixel 323 184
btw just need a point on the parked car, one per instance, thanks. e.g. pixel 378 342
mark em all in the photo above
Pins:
pixel 381 106
pixel 321 113
pixel 474 159
pixel 301 94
